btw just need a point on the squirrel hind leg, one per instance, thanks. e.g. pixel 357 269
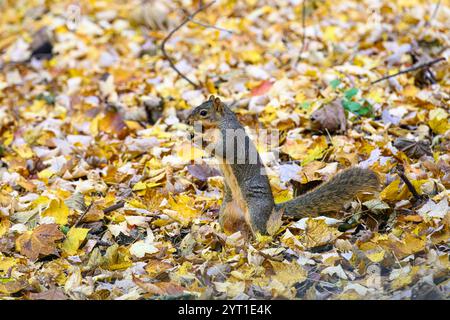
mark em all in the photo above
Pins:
pixel 232 219
pixel 262 217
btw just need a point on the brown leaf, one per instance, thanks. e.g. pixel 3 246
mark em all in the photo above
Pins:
pixel 51 294
pixel 330 117
pixel 156 267
pixel 113 123
pixel 413 149
pixel 40 241
pixel 202 171
pixel 160 288
pixel 12 286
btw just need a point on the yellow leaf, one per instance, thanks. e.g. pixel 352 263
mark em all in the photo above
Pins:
pixel 282 196
pixel 75 237
pixel 116 258
pixel 405 278
pixel 262 238
pixel 6 263
pixel 37 107
pixel 318 233
pixel 373 252
pixel 391 191
pixel 155 267
pixel 181 209
pixel 58 210
pixel 4 226
pixel 135 203
pixel 8 138
pixel 409 245
pixel 188 152
pixel 210 86
pixel 45 174
pixel 139 186
pixel 302 150
pixel 93 126
pixel 24 151
pixel 288 273
pixel 438 121
pixel 410 91
pixel 316 153
pixel 376 94
pixel 251 56
pixel 329 34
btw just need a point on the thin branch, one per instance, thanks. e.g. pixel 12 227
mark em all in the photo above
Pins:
pixel 163 44
pixel 303 27
pixel 205 25
pixel 435 11
pixel 409 185
pixel 83 214
pixel 115 206
pixel 413 68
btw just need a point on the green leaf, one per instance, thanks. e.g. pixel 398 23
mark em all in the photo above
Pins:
pixel 351 106
pixel 376 204
pixel 350 93
pixel 364 111
pixel 65 229
pixel 306 105
pixel 48 98
pixel 335 83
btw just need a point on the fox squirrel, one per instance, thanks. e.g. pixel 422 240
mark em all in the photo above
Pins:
pixel 248 204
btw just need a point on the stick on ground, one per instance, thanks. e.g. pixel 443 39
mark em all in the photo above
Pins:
pixel 163 44
pixel 115 206
pixel 413 68
pixel 303 28
pixel 409 185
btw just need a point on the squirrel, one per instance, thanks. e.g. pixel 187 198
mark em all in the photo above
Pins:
pixel 248 204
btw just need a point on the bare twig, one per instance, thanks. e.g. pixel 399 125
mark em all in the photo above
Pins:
pixel 83 214
pixel 435 11
pixel 413 68
pixel 303 28
pixel 205 25
pixel 163 44
pixel 409 185
pixel 115 206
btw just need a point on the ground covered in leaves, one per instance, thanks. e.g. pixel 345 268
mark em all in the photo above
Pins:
pixel 100 199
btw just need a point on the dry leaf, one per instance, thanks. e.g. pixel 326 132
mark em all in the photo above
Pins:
pixel 40 241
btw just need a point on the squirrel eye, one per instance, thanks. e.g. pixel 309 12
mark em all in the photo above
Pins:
pixel 203 113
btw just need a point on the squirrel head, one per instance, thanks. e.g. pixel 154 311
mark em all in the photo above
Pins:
pixel 209 113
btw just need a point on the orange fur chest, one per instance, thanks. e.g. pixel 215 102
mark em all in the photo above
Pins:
pixel 236 211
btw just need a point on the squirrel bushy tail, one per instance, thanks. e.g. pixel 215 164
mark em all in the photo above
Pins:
pixel 331 195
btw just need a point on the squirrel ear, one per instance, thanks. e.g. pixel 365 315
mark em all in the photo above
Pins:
pixel 211 98
pixel 218 105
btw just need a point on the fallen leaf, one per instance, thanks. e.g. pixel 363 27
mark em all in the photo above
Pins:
pixel 330 117
pixel 58 210
pixel 51 294
pixel 40 241
pixel 288 273
pixel 74 239
pixel 261 89
pixel 318 233
pixel 159 288
pixel 9 286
